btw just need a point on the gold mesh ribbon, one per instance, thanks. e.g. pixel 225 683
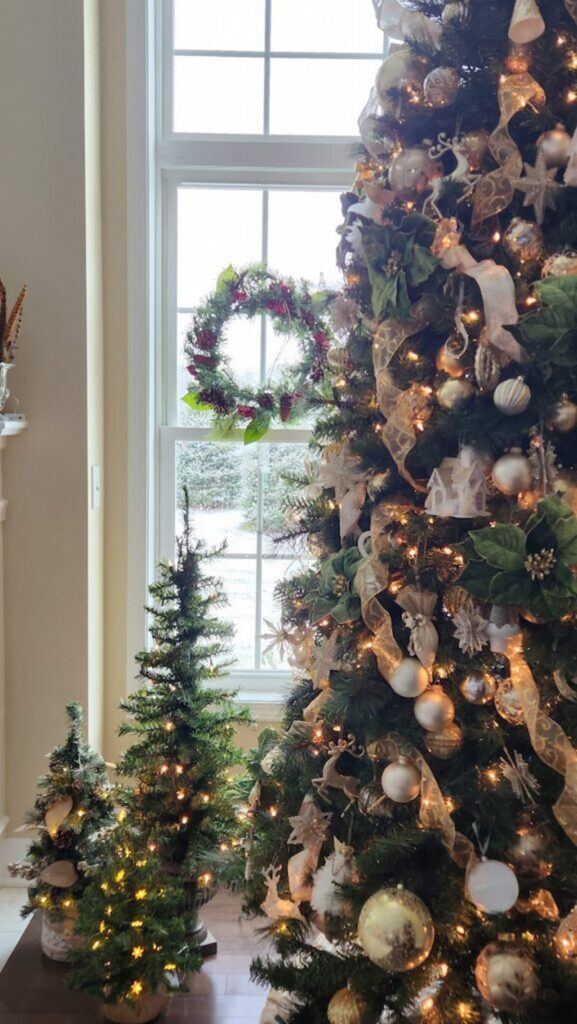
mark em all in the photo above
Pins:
pixel 401 409
pixel 571 6
pixel 494 192
pixel 371 579
pixel 433 811
pixel 547 738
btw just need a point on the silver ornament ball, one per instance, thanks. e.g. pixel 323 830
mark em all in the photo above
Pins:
pixel 411 173
pixel 512 473
pixel 410 679
pixel 454 394
pixel 506 977
pixel 434 709
pixel 523 240
pixel 477 689
pixel 564 416
pixel 512 397
pixel 401 781
pixel 441 87
pixel 554 145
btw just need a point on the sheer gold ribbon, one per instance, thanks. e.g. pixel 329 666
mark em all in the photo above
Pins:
pixel 571 6
pixel 494 192
pixel 371 579
pixel 433 812
pixel 401 409
pixel 547 737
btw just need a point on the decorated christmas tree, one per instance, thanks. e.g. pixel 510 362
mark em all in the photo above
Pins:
pixel 184 725
pixel 134 952
pixel 420 861
pixel 73 806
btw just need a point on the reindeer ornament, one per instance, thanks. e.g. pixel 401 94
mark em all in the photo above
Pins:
pixel 331 778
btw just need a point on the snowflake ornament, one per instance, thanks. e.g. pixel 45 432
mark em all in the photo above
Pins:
pixel 470 631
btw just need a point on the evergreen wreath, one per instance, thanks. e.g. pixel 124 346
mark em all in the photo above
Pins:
pixel 294 311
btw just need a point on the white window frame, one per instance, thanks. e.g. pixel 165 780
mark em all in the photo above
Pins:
pixel 162 162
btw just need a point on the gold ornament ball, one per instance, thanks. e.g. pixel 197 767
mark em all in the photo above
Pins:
pixel 434 710
pixel 447 361
pixel 566 937
pixel 456 14
pixel 396 930
pixel 476 145
pixel 554 145
pixel 523 240
pixel 560 264
pixel 346 1007
pixel 454 394
pixel 403 71
pixel 401 781
pixel 512 473
pixel 508 704
pixel 506 977
pixel 410 678
pixel 564 416
pixel 441 87
pixel 446 743
pixel 411 173
pixel 477 689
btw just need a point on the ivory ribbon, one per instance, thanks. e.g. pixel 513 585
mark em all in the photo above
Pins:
pixel 370 581
pixel 419 608
pixel 433 811
pixel 401 409
pixel 547 738
pixel 570 177
pixel 494 192
pixel 495 283
pixel 526 24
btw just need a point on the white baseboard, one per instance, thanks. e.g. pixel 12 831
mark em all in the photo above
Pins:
pixel 11 849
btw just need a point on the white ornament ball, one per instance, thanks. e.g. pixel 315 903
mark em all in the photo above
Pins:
pixel 411 173
pixel 506 977
pixel 396 930
pixel 512 473
pixel 410 679
pixel 555 145
pixel 492 886
pixel 512 397
pixel 434 709
pixel 401 781
pixel 477 689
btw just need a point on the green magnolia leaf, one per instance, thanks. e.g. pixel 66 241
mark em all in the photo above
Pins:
pixel 546 605
pixel 257 428
pixel 476 578
pixel 193 401
pixel 501 546
pixel 421 266
pixel 422 228
pixel 511 588
pixel 385 294
pixel 227 277
pixel 320 607
pixel 566 531
pixel 351 562
pixel 558 291
pixel 550 333
pixel 347 609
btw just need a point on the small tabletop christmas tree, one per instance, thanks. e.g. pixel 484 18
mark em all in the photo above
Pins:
pixel 184 727
pixel 135 952
pixel 74 804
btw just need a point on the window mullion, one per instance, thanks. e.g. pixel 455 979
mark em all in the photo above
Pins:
pixel 261 452
pixel 267 39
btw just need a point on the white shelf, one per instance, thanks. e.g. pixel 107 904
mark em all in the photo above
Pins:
pixel 12 423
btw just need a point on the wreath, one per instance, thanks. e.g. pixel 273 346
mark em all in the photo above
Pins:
pixel 294 311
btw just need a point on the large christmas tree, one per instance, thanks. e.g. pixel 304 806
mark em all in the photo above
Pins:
pixel 412 835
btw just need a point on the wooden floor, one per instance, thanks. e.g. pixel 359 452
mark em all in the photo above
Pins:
pixel 32 989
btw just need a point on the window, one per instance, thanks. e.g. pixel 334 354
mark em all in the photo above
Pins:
pixel 258 104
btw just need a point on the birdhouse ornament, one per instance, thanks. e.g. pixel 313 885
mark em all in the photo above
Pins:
pixel 458 488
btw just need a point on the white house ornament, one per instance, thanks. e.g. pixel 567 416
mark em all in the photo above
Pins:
pixel 446 743
pixel 512 397
pixel 419 607
pixel 434 709
pixel 492 886
pixel 410 679
pixel 396 930
pixel 458 488
pixel 506 977
pixel 512 473
pixel 503 624
pixel 478 689
pixel 401 781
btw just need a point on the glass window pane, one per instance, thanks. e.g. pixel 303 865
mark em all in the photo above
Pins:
pixel 219 25
pixel 239 579
pixel 319 97
pixel 216 227
pixel 273 571
pixel 302 238
pixel 334 26
pixel 220 477
pixel 222 95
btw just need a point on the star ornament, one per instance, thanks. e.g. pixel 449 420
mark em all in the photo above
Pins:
pixel 325 659
pixel 310 826
pixel 539 186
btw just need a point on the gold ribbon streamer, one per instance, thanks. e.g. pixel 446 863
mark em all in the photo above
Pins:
pixel 401 409
pixel 547 738
pixel 433 811
pixel 494 192
pixel 371 579
pixel 571 6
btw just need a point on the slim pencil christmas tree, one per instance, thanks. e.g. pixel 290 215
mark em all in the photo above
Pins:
pixel 184 727
pixel 420 865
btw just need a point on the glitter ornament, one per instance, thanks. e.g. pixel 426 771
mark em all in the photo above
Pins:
pixel 346 1007
pixel 487 368
pixel 401 781
pixel 446 743
pixel 441 87
pixel 560 264
pixel 434 709
pixel 457 14
pixel 477 689
pixel 492 886
pixel 564 417
pixel 508 704
pixel 554 145
pixel 372 803
pixel 512 397
pixel 476 145
pixel 506 977
pixel 523 240
pixel 396 930
pixel 411 173
pixel 404 73
pixel 512 473
pixel 410 679
pixel 530 850
pixel 566 937
pixel 454 394
pixel 447 361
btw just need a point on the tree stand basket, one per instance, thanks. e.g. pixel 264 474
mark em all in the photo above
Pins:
pixel 141 1011
pixel 58 939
